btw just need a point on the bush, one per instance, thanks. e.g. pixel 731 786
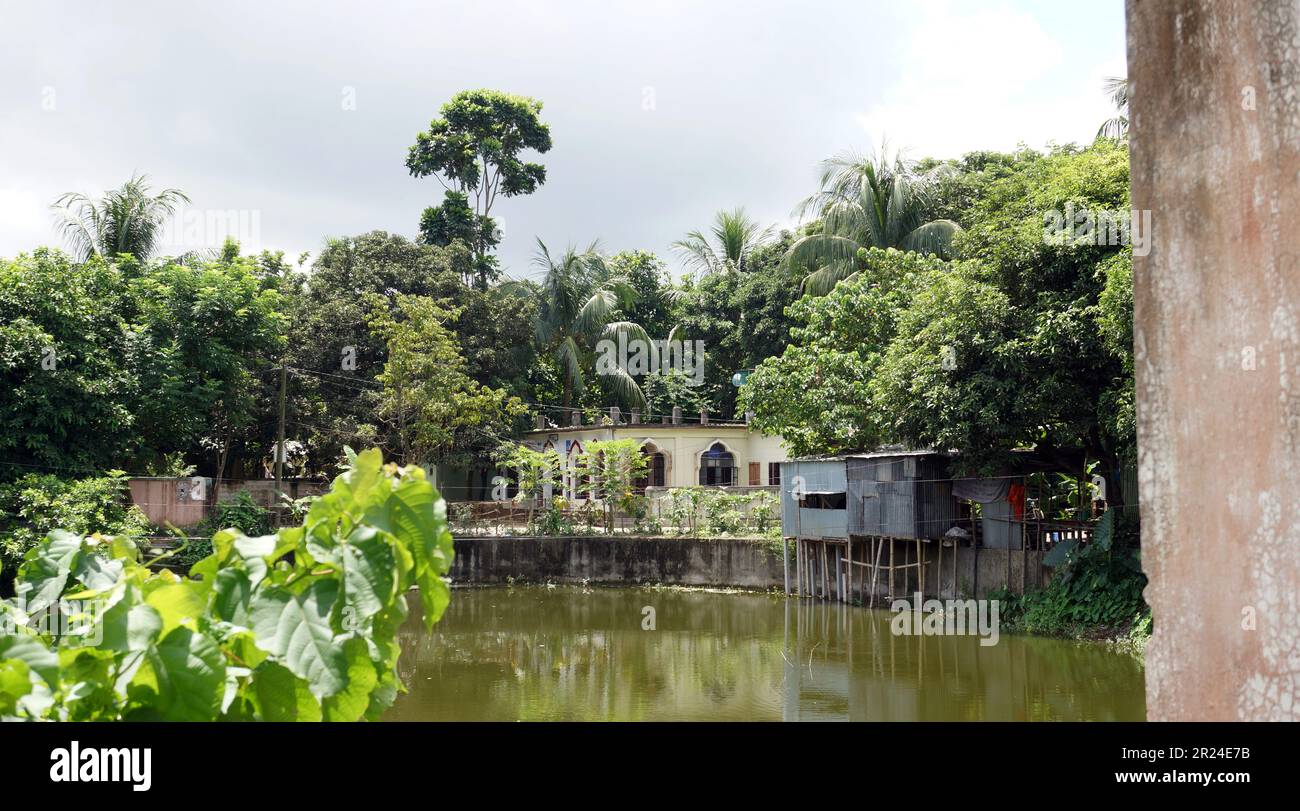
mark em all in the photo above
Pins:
pixel 240 512
pixel 35 504
pixel 1098 588
pixel 722 513
pixel 300 625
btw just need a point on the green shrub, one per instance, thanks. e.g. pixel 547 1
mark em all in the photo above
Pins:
pixel 764 514
pixel 240 512
pixel 722 512
pixel 34 504
pixel 300 625
pixel 1099 586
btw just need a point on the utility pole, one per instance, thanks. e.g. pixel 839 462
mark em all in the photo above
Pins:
pixel 279 447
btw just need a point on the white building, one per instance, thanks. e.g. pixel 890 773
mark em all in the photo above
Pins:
pixel 681 454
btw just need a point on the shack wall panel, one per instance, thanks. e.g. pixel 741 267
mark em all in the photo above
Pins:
pixel 815 476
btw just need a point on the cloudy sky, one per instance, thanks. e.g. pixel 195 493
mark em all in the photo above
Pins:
pixel 299 114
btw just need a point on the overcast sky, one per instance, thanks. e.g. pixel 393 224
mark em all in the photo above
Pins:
pixel 300 114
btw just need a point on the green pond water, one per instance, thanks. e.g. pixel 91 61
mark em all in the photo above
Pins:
pixel 573 654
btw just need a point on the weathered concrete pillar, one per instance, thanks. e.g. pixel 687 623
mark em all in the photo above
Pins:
pixel 576 418
pixel 1215 149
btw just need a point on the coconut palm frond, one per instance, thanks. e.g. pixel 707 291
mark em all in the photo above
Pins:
pixel 821 282
pixel 625 387
pixel 570 362
pixel 1118 88
pixel 732 238
pixel 868 200
pixel 128 219
pixel 934 237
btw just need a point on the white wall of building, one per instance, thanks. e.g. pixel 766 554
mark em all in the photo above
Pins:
pixel 682 446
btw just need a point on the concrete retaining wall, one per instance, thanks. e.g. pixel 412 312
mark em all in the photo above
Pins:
pixel 706 562
pixel 671 561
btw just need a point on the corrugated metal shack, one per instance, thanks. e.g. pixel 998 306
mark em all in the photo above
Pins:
pixel 819 482
pixel 900 494
pixel 891 522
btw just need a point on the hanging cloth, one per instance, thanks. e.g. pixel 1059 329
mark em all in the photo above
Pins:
pixel 982 491
pixel 1016 495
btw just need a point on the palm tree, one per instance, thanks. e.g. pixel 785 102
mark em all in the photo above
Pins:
pixel 868 201
pixel 1117 127
pixel 578 299
pixel 127 219
pixel 734 238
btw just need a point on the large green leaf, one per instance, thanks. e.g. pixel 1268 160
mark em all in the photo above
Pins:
pixel 1105 531
pixel 369 577
pixel 188 674
pixel 129 625
pixel 231 595
pixel 416 516
pixel 44 573
pixel 350 704
pixel 178 601
pixel 282 696
pixel 15 682
pixel 1059 553
pixel 97 573
pixel 32 651
pixel 295 628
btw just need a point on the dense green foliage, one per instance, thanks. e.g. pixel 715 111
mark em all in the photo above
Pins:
pixel 240 512
pixel 1097 587
pixel 116 364
pixel 300 625
pixel 436 411
pixel 35 504
pixel 1019 342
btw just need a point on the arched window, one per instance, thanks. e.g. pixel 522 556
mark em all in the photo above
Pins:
pixel 718 466
pixel 656 468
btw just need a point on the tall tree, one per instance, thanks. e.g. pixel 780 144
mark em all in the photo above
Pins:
pixel 473 150
pixel 727 247
pixel 868 201
pixel 740 318
pixel 127 219
pixel 578 302
pixel 437 412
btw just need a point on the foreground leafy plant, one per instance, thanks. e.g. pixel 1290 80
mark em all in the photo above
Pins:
pixel 299 625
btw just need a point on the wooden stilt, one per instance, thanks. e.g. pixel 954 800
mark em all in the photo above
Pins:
pixel 920 568
pixel 891 567
pixel 798 567
pixel 839 574
pixel 938 573
pixel 956 552
pixel 1024 562
pixel 875 570
pixel 826 572
pixel 848 548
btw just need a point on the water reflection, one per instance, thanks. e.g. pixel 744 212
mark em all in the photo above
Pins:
pixel 574 654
